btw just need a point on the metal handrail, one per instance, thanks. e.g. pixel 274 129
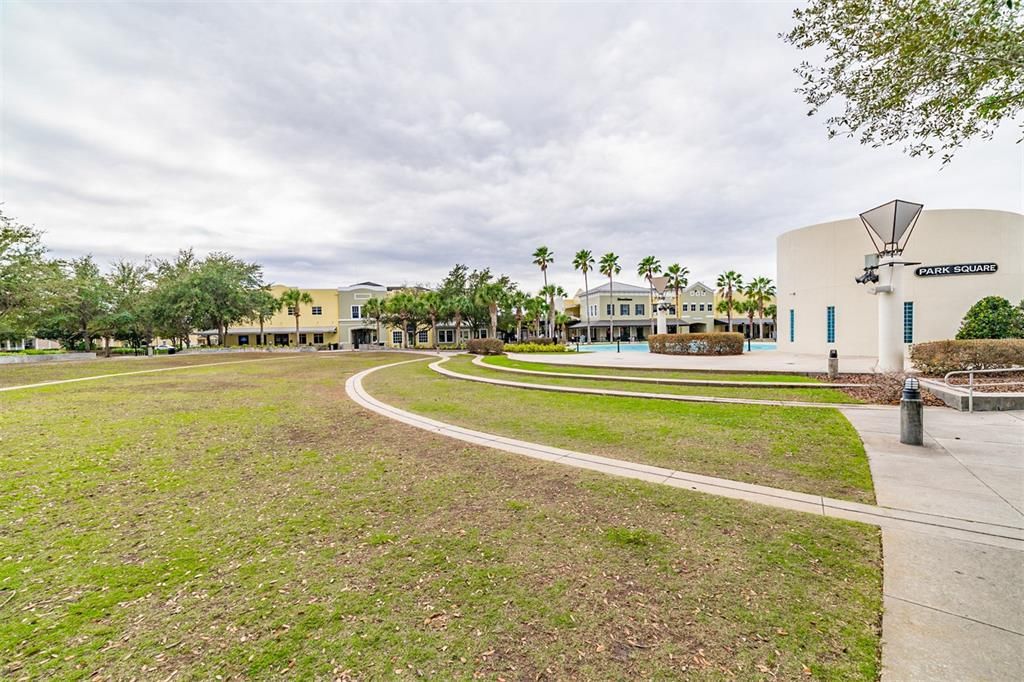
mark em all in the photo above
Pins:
pixel 971 385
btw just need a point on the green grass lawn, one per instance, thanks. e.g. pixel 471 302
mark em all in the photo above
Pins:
pixel 251 521
pixel 464 365
pixel 505 361
pixel 21 374
pixel 811 450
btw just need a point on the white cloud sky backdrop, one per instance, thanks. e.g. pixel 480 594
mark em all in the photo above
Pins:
pixel 336 143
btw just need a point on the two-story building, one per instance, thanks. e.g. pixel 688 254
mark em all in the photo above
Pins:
pixel 625 312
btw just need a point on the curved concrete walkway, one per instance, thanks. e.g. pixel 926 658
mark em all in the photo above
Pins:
pixel 436 366
pixel 953 579
pixel 480 361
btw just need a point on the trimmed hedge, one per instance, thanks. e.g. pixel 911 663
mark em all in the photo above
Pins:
pixel 535 348
pixel 714 343
pixel 485 346
pixel 938 357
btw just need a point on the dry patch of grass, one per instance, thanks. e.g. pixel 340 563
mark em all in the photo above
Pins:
pixel 250 521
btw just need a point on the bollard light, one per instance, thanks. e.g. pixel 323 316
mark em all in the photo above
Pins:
pixel 912 413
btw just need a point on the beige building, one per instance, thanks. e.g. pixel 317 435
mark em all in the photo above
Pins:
pixel 628 308
pixel 821 307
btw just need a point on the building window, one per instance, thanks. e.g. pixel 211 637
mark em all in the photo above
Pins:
pixel 318 310
pixel 464 334
pixel 908 322
pixel 609 309
pixel 593 310
pixel 357 312
pixel 291 310
pixel 623 309
pixel 638 309
pixel 830 324
pixel 302 338
pixel 446 336
pixel 421 337
pixel 792 328
pixel 702 307
pixel 243 339
pixel 396 338
pixel 318 338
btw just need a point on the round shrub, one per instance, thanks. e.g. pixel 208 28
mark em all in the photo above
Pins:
pixel 485 346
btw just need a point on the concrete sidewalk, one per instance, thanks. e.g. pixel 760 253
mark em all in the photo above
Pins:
pixel 954 606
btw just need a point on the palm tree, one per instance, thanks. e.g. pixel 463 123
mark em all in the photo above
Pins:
pixel 562 321
pixel 542 258
pixel 536 308
pixel 609 267
pixel 647 268
pixel 550 291
pixel 293 299
pixel 490 295
pixel 677 281
pixel 434 309
pixel 402 308
pixel 584 262
pixel 772 311
pixel 727 283
pixel 756 291
pixel 749 307
pixel 265 306
pixel 373 309
pixel 517 302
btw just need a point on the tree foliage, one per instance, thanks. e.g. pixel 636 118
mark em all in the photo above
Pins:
pixel 924 74
pixel 25 278
pixel 993 317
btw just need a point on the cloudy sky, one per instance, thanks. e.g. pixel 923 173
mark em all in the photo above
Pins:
pixel 341 142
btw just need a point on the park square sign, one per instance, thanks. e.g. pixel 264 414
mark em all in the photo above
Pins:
pixel 958 269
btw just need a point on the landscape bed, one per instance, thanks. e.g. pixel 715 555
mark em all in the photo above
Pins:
pixel 250 521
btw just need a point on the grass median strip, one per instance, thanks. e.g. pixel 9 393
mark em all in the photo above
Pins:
pixel 250 521
pixel 810 450
pixel 505 361
pixel 464 365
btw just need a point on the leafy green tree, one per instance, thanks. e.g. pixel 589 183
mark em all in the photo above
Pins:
pixel 294 299
pixel 174 301
pixel 542 258
pixel 454 291
pixel 562 322
pixel 728 283
pixel 26 277
pixel 81 303
pixel 223 292
pixel 609 267
pixel 648 267
pixel 678 280
pixel 130 316
pixel 993 317
pixel 583 261
pixel 926 74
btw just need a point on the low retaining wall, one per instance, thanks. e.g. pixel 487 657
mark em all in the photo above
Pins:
pixel 23 359
pixel 983 402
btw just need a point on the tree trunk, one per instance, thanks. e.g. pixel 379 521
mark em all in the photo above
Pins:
pixel 586 287
pixel 611 318
pixel 519 328
pixel 296 326
pixel 493 310
pixel 458 328
pixel 433 329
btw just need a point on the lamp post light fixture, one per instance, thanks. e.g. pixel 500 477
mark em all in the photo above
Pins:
pixel 889 227
pixel 661 305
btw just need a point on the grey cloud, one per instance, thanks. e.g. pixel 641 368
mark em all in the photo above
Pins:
pixel 342 142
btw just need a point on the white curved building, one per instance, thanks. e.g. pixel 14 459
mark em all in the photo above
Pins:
pixel 964 255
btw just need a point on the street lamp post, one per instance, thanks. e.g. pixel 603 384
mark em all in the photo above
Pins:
pixel 892 223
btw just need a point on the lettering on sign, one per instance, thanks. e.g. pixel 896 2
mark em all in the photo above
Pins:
pixel 956 269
